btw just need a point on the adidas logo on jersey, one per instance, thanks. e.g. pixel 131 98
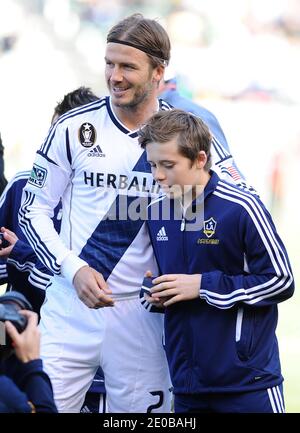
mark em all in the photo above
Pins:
pixel 85 409
pixel 162 235
pixel 96 152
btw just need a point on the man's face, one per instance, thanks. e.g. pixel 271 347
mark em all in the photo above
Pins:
pixel 176 174
pixel 129 76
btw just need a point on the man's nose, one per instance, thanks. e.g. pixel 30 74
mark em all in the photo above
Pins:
pixel 116 74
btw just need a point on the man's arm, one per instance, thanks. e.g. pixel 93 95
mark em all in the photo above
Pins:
pixel 50 176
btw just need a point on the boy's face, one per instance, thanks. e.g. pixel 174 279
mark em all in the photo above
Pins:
pixel 175 173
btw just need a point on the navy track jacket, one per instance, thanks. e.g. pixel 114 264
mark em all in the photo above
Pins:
pixel 25 387
pixel 224 341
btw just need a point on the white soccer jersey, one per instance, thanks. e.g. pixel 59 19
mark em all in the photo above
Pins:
pixel 95 164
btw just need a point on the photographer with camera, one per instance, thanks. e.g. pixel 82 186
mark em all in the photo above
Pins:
pixel 24 386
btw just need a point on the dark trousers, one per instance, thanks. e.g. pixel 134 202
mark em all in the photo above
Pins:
pixel 263 401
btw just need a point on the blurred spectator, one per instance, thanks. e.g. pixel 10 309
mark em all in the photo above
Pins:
pixel 169 92
pixel 7 43
pixel 276 183
pixel 11 17
pixel 3 181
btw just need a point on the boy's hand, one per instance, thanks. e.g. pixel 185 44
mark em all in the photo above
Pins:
pixel 175 287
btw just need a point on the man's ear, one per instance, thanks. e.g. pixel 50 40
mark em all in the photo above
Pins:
pixel 158 73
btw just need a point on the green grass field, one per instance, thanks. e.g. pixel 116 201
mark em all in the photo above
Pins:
pixel 288 330
pixel 288 333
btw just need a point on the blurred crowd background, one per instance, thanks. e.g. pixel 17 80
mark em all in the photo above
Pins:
pixel 238 58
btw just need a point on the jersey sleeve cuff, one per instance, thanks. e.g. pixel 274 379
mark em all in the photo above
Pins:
pixel 21 250
pixel 204 284
pixel 70 265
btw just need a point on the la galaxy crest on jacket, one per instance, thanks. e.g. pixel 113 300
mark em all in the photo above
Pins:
pixel 224 341
pixel 95 163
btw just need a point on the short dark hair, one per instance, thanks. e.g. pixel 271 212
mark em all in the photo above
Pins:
pixel 146 33
pixel 76 98
pixel 193 134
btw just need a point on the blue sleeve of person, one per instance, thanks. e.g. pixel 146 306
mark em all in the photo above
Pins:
pixel 145 290
pixel 12 400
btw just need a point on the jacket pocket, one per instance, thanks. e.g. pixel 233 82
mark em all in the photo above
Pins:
pixel 244 334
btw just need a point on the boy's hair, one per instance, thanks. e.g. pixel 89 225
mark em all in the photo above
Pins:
pixel 76 98
pixel 144 34
pixel 193 134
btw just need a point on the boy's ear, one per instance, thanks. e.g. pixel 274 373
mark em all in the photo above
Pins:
pixel 201 159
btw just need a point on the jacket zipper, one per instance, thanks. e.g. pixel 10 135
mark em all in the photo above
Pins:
pixel 182 229
pixel 182 225
pixel 239 322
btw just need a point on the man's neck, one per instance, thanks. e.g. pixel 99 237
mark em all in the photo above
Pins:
pixel 134 117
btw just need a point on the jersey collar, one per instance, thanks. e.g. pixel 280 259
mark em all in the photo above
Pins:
pixel 120 125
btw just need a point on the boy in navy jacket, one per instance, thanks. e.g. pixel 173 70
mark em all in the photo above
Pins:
pixel 223 270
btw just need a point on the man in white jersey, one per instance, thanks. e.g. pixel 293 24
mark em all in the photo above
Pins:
pixel 91 158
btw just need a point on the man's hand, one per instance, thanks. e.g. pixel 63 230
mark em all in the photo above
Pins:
pixel 27 343
pixel 176 287
pixel 91 288
pixel 11 238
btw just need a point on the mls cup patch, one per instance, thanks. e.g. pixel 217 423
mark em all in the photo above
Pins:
pixel 87 134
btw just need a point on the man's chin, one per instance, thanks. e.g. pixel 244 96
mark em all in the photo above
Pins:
pixel 117 100
pixel 122 103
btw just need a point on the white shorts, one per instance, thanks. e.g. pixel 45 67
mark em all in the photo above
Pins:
pixel 126 340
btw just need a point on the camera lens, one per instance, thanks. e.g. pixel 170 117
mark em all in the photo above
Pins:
pixel 10 304
pixel 16 299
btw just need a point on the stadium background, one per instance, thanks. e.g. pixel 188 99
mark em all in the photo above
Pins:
pixel 239 58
